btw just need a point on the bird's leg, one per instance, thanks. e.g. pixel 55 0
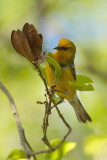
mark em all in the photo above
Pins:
pixel 58 103
pixel 66 92
pixel 55 90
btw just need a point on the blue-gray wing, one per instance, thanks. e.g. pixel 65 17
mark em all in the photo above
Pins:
pixel 72 67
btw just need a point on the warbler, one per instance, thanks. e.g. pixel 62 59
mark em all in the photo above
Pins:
pixel 65 56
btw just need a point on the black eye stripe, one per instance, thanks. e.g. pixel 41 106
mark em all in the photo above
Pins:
pixel 62 48
pixel 65 48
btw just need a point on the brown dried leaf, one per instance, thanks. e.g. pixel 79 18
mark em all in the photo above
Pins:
pixel 37 41
pixel 34 39
pixel 25 45
pixel 27 32
pixel 21 45
pixel 16 43
pixel 28 43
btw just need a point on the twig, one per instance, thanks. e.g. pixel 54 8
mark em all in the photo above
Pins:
pixel 44 81
pixel 50 97
pixel 23 139
pixel 46 116
pixel 28 145
pixel 48 108
pixel 46 123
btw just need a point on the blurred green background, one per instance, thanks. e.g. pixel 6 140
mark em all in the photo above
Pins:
pixel 85 23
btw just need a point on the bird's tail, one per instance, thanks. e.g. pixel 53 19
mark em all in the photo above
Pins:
pixel 81 114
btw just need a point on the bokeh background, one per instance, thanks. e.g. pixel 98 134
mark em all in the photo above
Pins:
pixel 85 23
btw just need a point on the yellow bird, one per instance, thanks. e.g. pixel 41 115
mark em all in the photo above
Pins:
pixel 65 55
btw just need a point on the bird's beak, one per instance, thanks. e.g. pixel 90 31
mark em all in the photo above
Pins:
pixel 57 48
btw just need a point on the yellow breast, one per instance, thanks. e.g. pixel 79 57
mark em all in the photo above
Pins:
pixel 64 90
pixel 63 57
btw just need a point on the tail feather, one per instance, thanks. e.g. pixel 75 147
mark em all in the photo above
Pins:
pixel 81 114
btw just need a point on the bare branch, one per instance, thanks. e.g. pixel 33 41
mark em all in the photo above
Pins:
pixel 17 119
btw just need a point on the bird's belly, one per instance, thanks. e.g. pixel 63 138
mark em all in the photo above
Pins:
pixel 63 89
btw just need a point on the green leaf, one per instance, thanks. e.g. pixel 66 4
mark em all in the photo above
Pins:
pixel 61 151
pixel 83 79
pixel 81 86
pixel 82 83
pixel 43 72
pixel 49 54
pixel 16 154
pixel 55 65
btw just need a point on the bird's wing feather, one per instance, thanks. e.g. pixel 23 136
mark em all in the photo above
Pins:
pixel 72 68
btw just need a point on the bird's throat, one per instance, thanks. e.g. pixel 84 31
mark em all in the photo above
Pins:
pixel 64 57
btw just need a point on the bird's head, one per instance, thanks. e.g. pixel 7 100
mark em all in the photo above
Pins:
pixel 65 45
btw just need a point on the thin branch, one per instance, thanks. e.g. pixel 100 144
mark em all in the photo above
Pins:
pixel 18 121
pixel 28 145
pixel 46 116
pixel 48 108
pixel 50 97
pixel 46 123
pixel 44 81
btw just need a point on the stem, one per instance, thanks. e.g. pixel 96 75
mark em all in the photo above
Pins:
pixel 46 116
pixel 46 124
